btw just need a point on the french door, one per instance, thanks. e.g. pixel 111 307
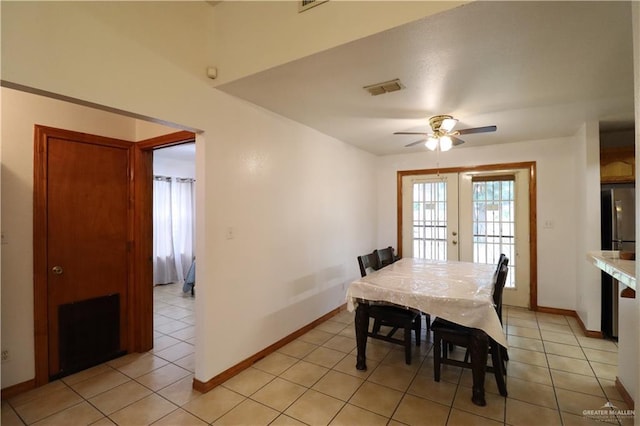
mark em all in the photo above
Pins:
pixel 471 216
pixel 430 216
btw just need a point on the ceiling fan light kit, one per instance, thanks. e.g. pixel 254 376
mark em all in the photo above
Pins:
pixel 443 136
pixel 445 143
pixel 431 144
pixel 444 123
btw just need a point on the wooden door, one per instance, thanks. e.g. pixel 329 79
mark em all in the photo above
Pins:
pixel 87 211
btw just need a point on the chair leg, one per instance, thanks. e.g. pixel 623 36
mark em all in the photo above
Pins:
pixel 445 349
pixel 437 347
pixel 417 327
pixel 376 326
pixel 505 354
pixel 427 318
pixel 498 367
pixel 505 357
pixel 407 344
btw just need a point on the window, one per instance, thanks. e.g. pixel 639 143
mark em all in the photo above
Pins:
pixel 494 221
pixel 430 220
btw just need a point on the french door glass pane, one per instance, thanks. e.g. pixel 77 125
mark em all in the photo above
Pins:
pixel 494 223
pixel 430 220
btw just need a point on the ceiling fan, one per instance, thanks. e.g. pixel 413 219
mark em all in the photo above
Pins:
pixel 443 136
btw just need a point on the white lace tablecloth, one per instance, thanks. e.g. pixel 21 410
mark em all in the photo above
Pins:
pixel 456 291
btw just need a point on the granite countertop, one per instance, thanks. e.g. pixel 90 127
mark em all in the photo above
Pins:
pixel 609 261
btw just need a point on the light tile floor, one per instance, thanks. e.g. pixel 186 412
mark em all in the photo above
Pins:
pixel 554 373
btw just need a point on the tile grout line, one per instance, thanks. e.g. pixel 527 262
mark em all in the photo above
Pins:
pixel 555 393
pixel 391 353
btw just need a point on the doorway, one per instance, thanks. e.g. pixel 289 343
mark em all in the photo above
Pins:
pixel 96 170
pixel 173 213
pixel 174 253
pixel 473 214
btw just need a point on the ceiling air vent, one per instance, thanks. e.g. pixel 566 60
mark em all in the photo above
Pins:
pixel 386 87
pixel 308 4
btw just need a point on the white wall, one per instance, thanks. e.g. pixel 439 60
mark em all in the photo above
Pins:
pixel 147 130
pixel 113 54
pixel 301 207
pixel 587 224
pixel 557 180
pixel 20 111
pixel 301 204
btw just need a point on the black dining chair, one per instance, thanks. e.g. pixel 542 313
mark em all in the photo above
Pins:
pixel 393 317
pixel 386 257
pixel 447 333
pixel 497 300
pixel 502 260
pixel 367 263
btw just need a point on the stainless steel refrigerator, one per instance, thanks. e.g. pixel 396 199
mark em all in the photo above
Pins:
pixel 618 232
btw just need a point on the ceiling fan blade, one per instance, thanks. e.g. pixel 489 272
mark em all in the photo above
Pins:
pixel 456 141
pixel 484 129
pixel 410 133
pixel 415 143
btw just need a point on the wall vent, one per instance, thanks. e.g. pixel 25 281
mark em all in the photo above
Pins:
pixel 308 4
pixel 386 87
pixel 89 333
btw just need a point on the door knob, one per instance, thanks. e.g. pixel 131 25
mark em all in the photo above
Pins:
pixel 57 270
pixel 455 242
pixel 454 233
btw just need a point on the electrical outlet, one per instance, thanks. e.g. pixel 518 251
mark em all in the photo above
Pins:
pixel 5 355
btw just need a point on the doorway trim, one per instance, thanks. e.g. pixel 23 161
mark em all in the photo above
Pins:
pixel 533 231
pixel 40 270
pixel 142 291
pixel 140 239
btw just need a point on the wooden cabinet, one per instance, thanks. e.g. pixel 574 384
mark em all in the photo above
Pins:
pixel 617 165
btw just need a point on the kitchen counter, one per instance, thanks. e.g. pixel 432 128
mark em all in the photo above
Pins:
pixel 609 261
pixel 625 272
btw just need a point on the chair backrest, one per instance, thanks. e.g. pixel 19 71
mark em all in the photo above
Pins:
pixel 384 256
pixel 503 258
pixel 499 283
pixel 367 262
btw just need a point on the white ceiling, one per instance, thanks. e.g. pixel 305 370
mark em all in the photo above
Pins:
pixel 182 152
pixel 536 70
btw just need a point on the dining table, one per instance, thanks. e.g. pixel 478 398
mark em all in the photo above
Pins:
pixel 461 292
